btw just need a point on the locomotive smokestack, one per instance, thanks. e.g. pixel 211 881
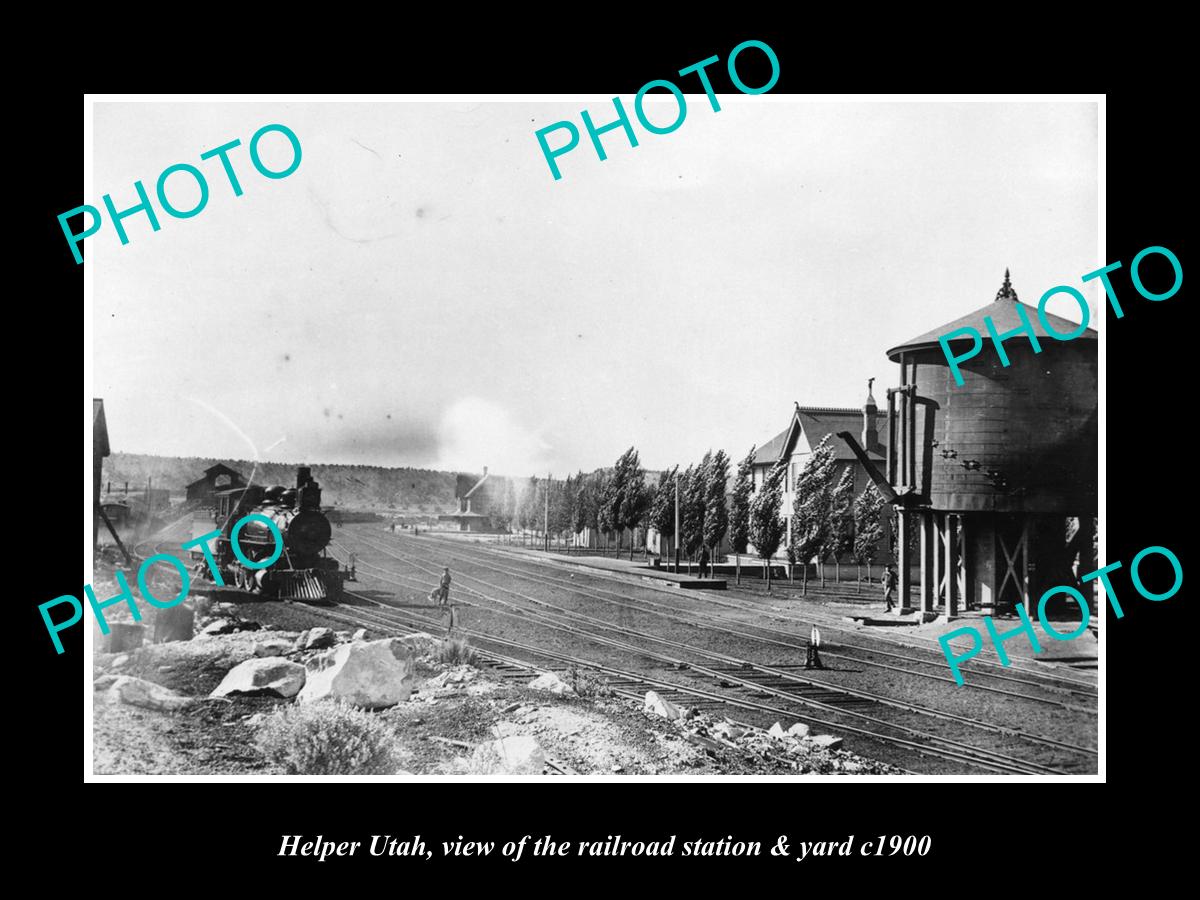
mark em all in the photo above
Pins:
pixel 303 476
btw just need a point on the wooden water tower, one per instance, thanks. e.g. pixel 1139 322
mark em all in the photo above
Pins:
pixel 999 474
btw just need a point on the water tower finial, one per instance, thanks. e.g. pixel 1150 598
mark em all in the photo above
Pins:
pixel 1006 291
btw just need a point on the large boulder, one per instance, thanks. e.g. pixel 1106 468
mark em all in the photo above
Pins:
pixel 370 675
pixel 271 675
pixel 549 681
pixel 513 755
pixel 147 694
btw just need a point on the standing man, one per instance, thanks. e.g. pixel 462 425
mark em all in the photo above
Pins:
pixel 444 586
pixel 703 562
pixel 889 585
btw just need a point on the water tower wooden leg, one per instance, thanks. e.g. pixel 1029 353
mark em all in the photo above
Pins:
pixel 967 597
pixel 935 532
pixel 903 560
pixel 951 566
pixel 928 549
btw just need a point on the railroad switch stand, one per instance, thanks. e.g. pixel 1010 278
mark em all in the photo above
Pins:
pixel 813 660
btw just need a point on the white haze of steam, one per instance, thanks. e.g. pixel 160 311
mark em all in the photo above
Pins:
pixel 474 433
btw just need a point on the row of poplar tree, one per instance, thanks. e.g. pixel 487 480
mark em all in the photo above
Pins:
pixel 828 522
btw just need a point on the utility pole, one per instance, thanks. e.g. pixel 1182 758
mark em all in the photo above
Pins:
pixel 676 522
pixel 546 528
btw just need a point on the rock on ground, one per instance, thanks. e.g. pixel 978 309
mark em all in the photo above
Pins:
pixel 549 681
pixel 273 647
pixel 660 707
pixel 373 675
pixel 271 675
pixel 318 638
pixel 826 741
pixel 147 694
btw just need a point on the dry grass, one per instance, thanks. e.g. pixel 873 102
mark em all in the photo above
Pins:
pixel 328 738
pixel 456 652
pixel 587 684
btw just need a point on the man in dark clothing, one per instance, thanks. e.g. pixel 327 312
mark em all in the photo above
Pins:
pixel 703 562
pixel 444 586
pixel 889 585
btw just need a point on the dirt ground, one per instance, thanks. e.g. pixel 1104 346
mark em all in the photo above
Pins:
pixel 452 711
pixel 491 587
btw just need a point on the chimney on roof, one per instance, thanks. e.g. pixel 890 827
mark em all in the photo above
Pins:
pixel 485 471
pixel 870 432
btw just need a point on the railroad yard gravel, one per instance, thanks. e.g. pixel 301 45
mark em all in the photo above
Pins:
pixel 401 566
pixel 454 711
pixel 558 607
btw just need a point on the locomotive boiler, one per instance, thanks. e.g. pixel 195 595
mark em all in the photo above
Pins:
pixel 302 570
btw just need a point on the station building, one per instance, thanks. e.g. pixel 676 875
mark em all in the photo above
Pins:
pixel 792 447
pixel 473 510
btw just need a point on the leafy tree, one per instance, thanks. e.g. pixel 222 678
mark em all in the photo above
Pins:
pixel 716 514
pixel 693 508
pixel 633 499
pixel 562 504
pixel 685 520
pixel 583 511
pixel 840 533
pixel 662 510
pixel 640 518
pixel 739 519
pixel 527 511
pixel 766 526
pixel 605 490
pixel 812 504
pixel 868 526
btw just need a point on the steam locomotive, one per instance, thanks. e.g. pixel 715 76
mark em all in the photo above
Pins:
pixel 302 571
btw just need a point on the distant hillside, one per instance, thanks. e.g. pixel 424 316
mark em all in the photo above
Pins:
pixel 355 487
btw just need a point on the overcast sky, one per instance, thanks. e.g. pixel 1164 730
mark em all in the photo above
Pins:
pixel 422 292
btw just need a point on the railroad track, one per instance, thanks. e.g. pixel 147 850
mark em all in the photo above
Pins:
pixel 746 676
pixel 1041 678
pixel 789 640
pixel 773 673
pixel 387 620
pixel 159 542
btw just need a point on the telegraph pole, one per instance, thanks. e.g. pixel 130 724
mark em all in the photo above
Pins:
pixel 546 528
pixel 677 522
